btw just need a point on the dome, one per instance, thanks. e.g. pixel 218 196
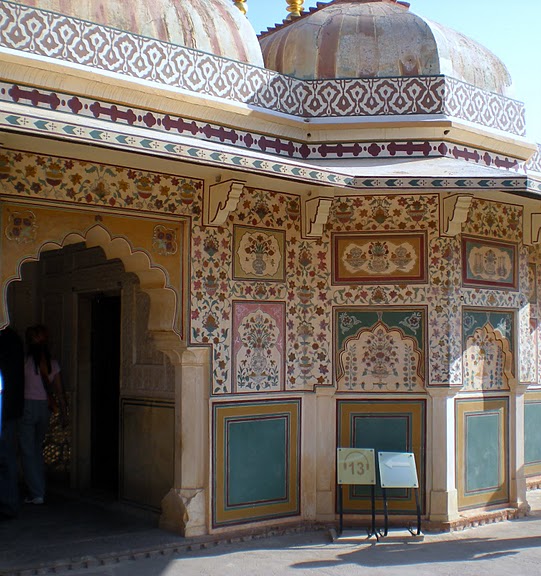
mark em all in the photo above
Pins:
pixel 377 38
pixel 213 26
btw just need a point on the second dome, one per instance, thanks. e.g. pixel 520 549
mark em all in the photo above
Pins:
pixel 378 38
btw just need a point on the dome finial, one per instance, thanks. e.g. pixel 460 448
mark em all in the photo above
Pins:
pixel 241 5
pixel 294 8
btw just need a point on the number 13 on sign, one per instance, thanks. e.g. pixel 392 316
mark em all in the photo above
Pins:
pixel 356 466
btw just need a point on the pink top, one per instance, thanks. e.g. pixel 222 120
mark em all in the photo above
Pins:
pixel 33 386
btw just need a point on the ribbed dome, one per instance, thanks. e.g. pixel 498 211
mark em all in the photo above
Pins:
pixel 378 38
pixel 213 26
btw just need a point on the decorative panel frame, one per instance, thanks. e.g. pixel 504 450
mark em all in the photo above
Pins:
pixel 411 414
pixel 470 462
pixel 494 330
pixel 389 258
pixel 259 346
pixel 489 263
pixel 398 332
pixel 233 421
pixel 532 434
pixel 258 254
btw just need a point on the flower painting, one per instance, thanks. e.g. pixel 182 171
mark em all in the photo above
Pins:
pixel 258 254
pixel 258 346
pixel 381 259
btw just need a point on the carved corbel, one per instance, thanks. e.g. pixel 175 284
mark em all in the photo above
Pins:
pixel 316 207
pixel 455 213
pixel 220 200
pixel 532 227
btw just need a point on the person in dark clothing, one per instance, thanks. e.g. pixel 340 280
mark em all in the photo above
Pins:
pixel 12 404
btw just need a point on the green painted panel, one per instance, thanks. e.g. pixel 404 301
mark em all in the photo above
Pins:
pixel 482 451
pixel 257 458
pixel 383 433
pixel 349 321
pixel 532 433
pixel 503 322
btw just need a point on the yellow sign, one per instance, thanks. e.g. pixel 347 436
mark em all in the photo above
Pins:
pixel 356 466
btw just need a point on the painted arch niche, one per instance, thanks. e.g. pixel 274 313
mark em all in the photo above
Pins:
pixel 159 273
pixel 380 350
pixel 488 349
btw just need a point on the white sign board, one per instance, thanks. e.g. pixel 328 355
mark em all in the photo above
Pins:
pixel 397 470
pixel 356 466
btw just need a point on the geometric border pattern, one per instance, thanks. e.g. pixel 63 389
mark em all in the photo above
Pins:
pixel 51 35
pixel 176 147
pixel 154 121
pixel 230 413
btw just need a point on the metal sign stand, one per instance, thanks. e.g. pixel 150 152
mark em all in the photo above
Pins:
pixel 356 466
pixel 397 470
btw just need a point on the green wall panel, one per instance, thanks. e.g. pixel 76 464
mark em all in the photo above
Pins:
pixel 383 433
pixel 532 433
pixel 257 453
pixel 482 452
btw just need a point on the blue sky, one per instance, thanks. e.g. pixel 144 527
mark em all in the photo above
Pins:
pixel 509 28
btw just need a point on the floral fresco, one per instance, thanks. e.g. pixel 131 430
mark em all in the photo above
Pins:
pixel 258 346
pixel 258 254
pixel 489 264
pixel 375 250
pixel 384 259
pixel 380 350
pixel 488 349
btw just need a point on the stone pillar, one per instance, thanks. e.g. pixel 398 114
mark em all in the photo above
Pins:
pixel 441 457
pixel 517 477
pixel 326 453
pixel 309 457
pixel 185 508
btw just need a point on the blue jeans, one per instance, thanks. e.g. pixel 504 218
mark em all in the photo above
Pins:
pixel 9 489
pixel 34 426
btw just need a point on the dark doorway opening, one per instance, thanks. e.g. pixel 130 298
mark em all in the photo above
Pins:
pixel 105 391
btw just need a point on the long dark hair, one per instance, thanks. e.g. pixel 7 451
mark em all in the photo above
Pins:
pixel 37 346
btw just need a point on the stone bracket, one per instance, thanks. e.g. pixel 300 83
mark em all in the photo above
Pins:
pixel 532 227
pixel 316 207
pixel 455 212
pixel 220 200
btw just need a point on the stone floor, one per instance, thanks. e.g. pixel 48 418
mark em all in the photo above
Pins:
pixel 85 538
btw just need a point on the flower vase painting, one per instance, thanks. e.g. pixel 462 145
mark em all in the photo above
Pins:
pixel 258 254
pixel 488 263
pixel 382 259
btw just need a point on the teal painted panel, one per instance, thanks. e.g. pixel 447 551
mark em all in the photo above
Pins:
pixel 482 452
pixel 349 321
pixel 257 461
pixel 503 322
pixel 384 433
pixel 532 433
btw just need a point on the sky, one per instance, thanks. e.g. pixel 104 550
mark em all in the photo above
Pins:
pixel 509 28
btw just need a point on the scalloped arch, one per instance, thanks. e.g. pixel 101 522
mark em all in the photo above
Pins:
pixel 152 278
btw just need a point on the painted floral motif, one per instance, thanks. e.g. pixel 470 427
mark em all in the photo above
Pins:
pixel 259 254
pixel 381 359
pixel 487 361
pixel 489 263
pixel 164 240
pixel 347 322
pixel 258 361
pixel 30 175
pixel 21 227
pixel 379 257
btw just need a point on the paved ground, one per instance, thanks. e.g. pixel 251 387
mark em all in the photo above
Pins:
pixel 82 539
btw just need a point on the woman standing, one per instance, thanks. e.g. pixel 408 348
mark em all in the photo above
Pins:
pixel 42 393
